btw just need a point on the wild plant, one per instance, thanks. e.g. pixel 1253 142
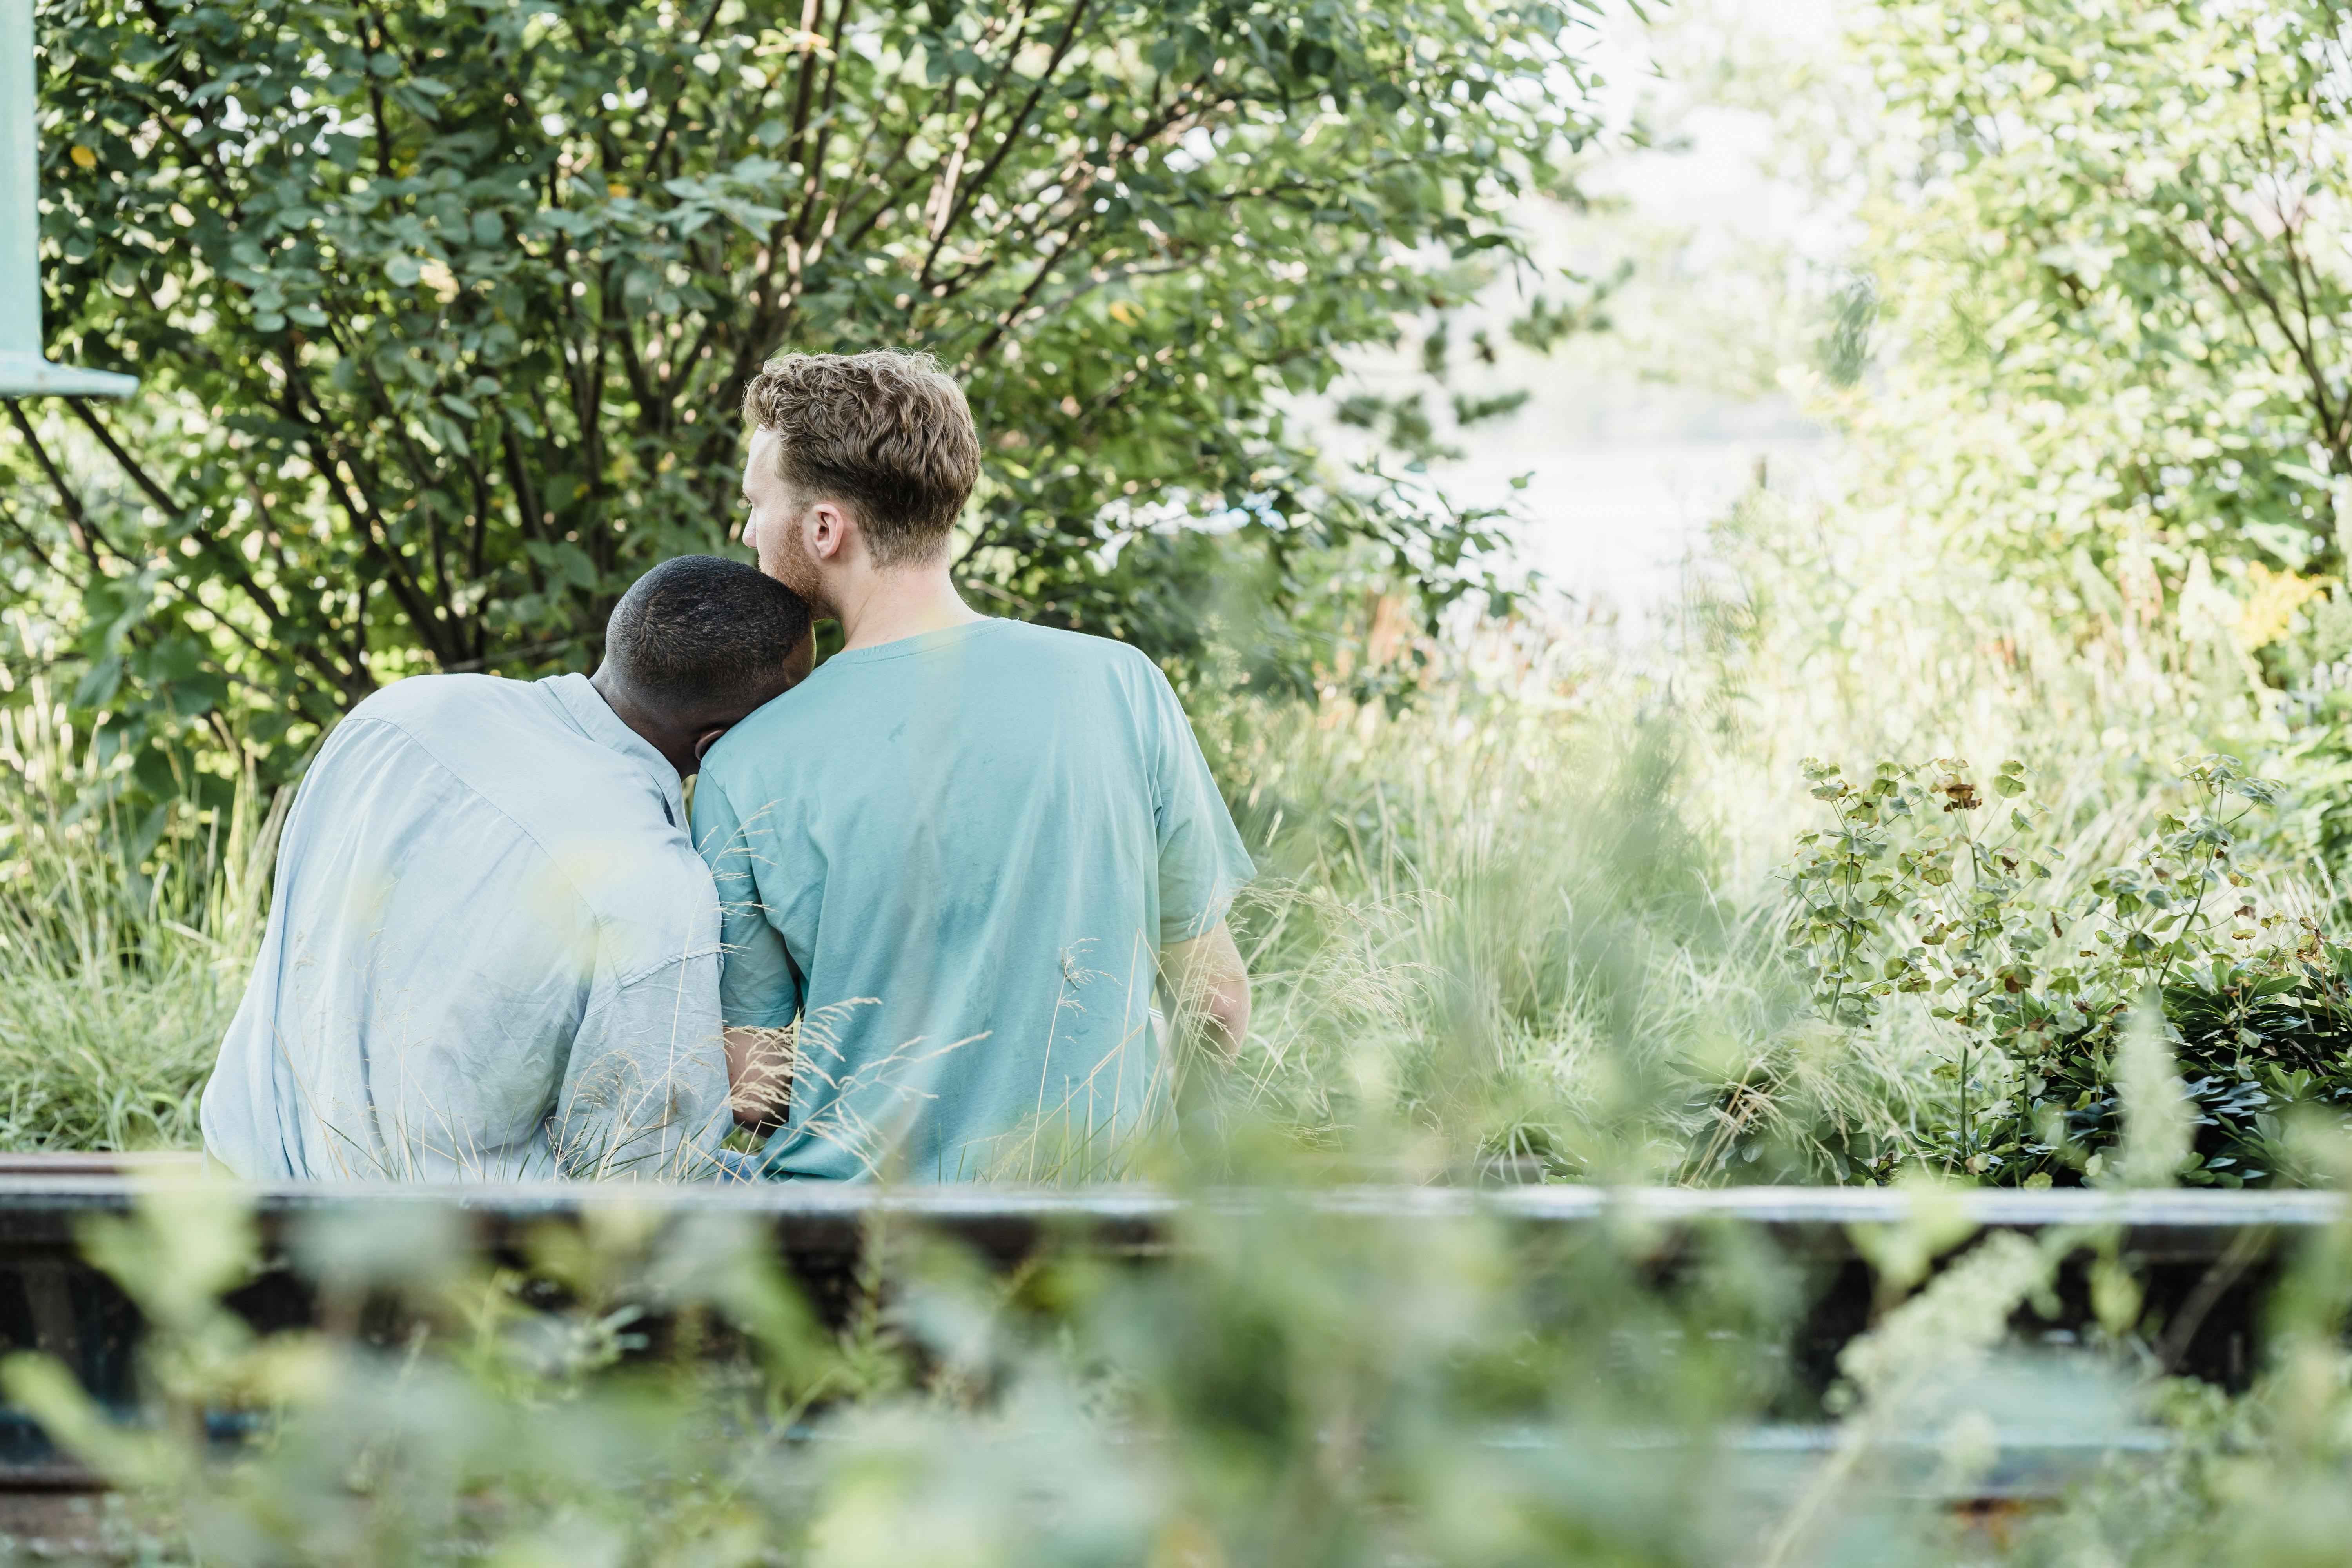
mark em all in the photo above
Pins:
pixel 1919 907
pixel 124 940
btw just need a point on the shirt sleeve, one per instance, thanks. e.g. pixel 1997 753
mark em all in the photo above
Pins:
pixel 1201 862
pixel 759 988
pixel 645 1093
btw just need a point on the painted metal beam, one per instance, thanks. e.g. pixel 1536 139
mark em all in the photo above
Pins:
pixel 23 370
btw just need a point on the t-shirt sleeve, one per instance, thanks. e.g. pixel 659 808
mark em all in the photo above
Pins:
pixel 758 986
pixel 645 1093
pixel 1201 862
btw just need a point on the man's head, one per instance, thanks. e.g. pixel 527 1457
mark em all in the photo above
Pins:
pixel 695 645
pixel 858 463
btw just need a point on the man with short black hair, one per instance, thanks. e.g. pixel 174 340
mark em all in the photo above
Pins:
pixel 966 852
pixel 492 952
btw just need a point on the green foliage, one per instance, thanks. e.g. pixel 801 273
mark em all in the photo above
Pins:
pixel 2246 1482
pixel 124 940
pixel 1484 931
pixel 2117 262
pixel 2029 982
pixel 443 311
pixel 1296 1378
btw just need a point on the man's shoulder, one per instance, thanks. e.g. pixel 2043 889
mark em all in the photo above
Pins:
pixel 437 700
pixel 525 775
pixel 1026 640
pixel 1078 663
pixel 509 748
pixel 504 740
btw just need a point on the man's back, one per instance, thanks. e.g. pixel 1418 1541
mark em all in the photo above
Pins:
pixel 962 852
pixel 486 906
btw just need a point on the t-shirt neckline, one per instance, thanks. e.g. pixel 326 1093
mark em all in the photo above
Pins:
pixel 921 642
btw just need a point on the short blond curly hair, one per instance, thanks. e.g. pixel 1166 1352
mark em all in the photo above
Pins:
pixel 891 434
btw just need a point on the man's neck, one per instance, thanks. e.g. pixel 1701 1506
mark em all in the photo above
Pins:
pixel 630 711
pixel 886 607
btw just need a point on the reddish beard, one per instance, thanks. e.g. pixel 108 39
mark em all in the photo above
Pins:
pixel 790 563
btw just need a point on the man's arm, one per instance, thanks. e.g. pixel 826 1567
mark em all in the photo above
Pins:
pixel 1201 866
pixel 759 1076
pixel 1210 983
pixel 758 984
pixel 644 1091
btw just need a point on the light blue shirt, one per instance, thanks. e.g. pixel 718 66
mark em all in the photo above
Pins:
pixel 960 855
pixel 492 953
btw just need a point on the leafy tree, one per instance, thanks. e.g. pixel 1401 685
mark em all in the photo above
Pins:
pixel 444 309
pixel 2108 240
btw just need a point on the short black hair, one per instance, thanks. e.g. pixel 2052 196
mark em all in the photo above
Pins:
pixel 699 635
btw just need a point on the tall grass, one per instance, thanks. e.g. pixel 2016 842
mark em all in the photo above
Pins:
pixel 1541 924
pixel 1488 929
pixel 123 945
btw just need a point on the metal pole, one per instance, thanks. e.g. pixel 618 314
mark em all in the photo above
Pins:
pixel 23 372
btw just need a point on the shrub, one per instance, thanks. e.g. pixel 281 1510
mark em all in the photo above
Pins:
pixel 1933 901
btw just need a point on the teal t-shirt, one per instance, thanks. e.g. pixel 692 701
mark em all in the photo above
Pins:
pixel 955 859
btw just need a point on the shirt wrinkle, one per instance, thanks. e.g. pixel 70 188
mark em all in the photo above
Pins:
pixel 716 950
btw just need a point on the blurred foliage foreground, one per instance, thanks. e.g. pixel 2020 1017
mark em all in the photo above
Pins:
pixel 643 1388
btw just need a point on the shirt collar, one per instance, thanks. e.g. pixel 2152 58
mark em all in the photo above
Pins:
pixel 921 642
pixel 596 720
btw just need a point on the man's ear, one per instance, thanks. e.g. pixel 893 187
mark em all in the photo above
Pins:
pixel 828 532
pixel 708 738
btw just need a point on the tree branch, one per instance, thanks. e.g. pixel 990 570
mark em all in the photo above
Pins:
pixel 813 182
pixel 375 539
pixel 342 479
pixel 25 537
pixel 811 10
pixel 1045 270
pixel 661 143
pixel 261 596
pixel 1013 134
pixel 85 533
